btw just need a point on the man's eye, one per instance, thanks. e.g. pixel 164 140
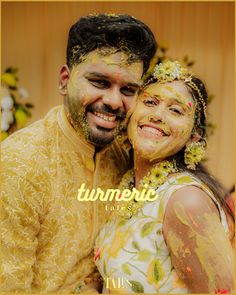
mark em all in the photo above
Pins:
pixel 99 83
pixel 128 91
pixel 176 111
pixel 149 102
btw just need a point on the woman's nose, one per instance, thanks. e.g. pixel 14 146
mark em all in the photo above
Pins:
pixel 157 116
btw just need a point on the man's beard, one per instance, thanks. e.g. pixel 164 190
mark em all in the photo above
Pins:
pixel 80 122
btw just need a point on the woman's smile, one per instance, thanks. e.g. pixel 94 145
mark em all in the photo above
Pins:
pixel 151 131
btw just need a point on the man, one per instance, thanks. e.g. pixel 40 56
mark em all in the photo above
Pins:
pixel 47 234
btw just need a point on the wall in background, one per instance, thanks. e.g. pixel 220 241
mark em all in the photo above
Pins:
pixel 34 36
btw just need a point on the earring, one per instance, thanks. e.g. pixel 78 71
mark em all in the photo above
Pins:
pixel 193 154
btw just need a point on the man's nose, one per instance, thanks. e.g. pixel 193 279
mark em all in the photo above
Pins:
pixel 113 98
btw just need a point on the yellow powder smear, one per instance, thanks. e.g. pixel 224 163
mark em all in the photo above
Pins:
pixel 175 242
pixel 177 245
pixel 207 244
pixel 181 214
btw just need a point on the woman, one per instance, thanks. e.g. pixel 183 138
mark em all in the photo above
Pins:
pixel 177 243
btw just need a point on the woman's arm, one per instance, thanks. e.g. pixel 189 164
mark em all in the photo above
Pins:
pixel 200 249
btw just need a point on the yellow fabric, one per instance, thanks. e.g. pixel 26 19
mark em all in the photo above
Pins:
pixel 47 234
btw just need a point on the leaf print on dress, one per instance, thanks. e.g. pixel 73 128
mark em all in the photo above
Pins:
pixel 144 255
pixel 105 268
pixel 147 228
pixel 117 243
pixel 161 211
pixel 135 245
pixel 137 287
pixel 155 272
pixel 126 269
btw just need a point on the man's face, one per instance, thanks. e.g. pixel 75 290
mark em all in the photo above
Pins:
pixel 99 92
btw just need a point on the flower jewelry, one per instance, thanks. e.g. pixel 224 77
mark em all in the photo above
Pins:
pixel 153 180
pixel 170 71
pixel 193 154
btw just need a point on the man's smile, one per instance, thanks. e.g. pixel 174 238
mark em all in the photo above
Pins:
pixel 106 117
pixel 104 120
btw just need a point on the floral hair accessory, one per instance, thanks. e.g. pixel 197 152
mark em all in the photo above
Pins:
pixel 170 71
pixel 193 154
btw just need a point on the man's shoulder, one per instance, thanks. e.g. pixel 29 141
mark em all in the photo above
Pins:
pixel 31 139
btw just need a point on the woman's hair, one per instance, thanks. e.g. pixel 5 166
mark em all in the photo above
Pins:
pixel 199 93
pixel 118 31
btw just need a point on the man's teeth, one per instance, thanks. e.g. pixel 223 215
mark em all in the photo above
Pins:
pixel 153 130
pixel 105 117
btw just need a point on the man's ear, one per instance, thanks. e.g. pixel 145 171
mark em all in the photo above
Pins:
pixel 63 80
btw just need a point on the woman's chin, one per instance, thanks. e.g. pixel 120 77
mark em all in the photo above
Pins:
pixel 145 152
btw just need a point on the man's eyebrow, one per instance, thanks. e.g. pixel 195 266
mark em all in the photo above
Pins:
pixel 99 75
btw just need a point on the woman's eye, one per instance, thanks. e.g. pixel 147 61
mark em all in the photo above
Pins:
pixel 149 102
pixel 177 111
pixel 99 83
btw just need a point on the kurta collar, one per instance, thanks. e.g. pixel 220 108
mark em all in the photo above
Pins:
pixel 81 145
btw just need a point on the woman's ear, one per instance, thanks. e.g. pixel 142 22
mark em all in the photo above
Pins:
pixel 63 80
pixel 195 137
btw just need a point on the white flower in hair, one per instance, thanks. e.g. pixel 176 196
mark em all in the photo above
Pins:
pixel 169 71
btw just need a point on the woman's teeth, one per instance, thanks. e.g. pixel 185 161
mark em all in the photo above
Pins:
pixel 105 117
pixel 153 130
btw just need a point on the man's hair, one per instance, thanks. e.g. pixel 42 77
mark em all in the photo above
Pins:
pixel 121 32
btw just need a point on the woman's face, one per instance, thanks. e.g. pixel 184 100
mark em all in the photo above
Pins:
pixel 162 121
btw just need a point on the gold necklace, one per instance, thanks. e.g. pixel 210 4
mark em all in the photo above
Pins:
pixel 153 180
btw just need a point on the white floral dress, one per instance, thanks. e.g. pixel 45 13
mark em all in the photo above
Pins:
pixel 132 252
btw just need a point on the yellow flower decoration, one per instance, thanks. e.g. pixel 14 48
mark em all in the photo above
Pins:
pixel 156 177
pixel 193 154
pixel 9 79
pixel 169 71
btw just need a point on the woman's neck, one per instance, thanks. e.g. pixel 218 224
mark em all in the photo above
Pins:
pixel 141 168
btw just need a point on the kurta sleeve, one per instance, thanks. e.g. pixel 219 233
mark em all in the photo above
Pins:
pixel 19 224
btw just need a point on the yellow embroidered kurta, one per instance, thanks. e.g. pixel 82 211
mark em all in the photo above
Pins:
pixel 47 234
